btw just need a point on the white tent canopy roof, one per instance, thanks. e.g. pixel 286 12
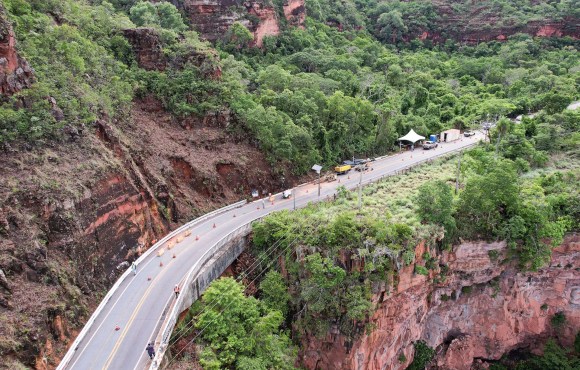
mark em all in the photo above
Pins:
pixel 412 136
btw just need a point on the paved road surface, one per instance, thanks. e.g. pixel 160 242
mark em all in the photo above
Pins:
pixel 136 307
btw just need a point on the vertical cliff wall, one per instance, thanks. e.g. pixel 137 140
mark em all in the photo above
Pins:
pixel 15 73
pixel 484 308
pixel 212 18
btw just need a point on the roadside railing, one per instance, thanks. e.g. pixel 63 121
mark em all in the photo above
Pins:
pixel 187 299
pixel 180 304
pixel 170 322
pixel 88 326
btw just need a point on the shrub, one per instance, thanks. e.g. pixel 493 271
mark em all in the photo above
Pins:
pixel 423 354
pixel 421 270
pixel 558 320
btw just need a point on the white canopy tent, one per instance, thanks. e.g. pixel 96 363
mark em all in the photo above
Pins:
pixel 412 136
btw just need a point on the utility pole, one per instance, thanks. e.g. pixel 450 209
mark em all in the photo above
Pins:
pixel 294 197
pixel 318 184
pixel 360 189
pixel 458 172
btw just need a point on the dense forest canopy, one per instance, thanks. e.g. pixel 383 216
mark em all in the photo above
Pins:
pixel 317 94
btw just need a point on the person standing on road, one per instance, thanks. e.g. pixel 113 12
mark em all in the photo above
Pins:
pixel 150 350
pixel 176 291
pixel 134 268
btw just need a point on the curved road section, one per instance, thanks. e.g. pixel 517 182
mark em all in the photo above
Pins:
pixel 130 316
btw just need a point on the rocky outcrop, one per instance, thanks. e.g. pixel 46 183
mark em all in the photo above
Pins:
pixel 295 12
pixel 481 308
pixel 147 48
pixel 212 19
pixel 73 216
pixel 537 29
pixel 149 54
pixel 15 73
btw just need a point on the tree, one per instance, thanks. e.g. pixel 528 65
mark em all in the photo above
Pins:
pixel 144 13
pixel 163 14
pixel 238 36
pixel 435 205
pixel 392 26
pixel 275 292
pixel 238 331
pixel 488 200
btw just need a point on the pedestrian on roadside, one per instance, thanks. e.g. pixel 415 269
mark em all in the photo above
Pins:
pixel 134 268
pixel 150 350
pixel 176 291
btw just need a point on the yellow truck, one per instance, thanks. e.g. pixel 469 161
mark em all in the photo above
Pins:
pixel 342 169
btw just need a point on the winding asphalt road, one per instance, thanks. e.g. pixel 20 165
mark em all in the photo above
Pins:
pixel 137 305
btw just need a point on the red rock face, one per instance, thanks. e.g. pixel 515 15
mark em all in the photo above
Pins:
pixel 505 309
pixel 146 48
pixel 295 12
pixel 538 29
pixel 213 18
pixel 15 73
pixel 268 25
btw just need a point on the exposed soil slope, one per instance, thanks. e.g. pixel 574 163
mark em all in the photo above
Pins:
pixel 73 214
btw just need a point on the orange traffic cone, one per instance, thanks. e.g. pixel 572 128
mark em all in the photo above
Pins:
pixel 173 255
pixel 197 237
pixel 161 264
pixel 117 328
pixel 148 278
pixel 234 215
pixel 214 225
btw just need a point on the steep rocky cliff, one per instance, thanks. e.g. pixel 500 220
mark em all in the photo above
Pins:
pixel 72 216
pixel 15 73
pixel 480 307
pixel 213 18
pixel 474 22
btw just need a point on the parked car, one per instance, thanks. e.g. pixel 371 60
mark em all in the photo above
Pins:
pixel 468 133
pixel 429 145
pixel 355 162
pixel 287 194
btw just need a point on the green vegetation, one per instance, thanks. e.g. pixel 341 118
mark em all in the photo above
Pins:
pixel 240 331
pixel 310 95
pixel 554 357
pixel 558 320
pixel 423 354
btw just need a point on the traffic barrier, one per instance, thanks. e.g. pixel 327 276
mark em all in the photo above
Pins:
pixel 156 244
pixel 179 239
pixel 187 233
pixel 160 252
